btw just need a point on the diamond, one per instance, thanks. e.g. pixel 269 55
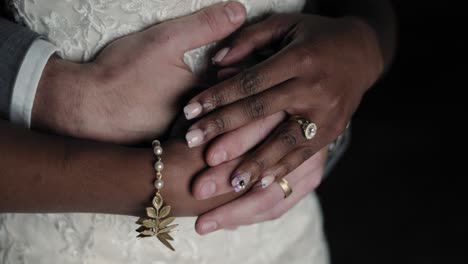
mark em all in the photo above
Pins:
pixel 310 131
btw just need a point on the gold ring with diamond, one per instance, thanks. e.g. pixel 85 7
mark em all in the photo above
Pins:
pixel 283 183
pixel 309 128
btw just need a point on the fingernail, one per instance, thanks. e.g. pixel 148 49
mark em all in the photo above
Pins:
pixel 192 110
pixel 208 227
pixel 218 157
pixel 207 190
pixel 235 12
pixel 194 138
pixel 240 181
pixel 267 181
pixel 220 55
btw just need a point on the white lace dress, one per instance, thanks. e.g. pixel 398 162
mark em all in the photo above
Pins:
pixel 80 28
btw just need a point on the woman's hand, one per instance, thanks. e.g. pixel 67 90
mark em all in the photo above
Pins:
pixel 321 71
pixel 264 200
pixel 263 203
pixel 131 91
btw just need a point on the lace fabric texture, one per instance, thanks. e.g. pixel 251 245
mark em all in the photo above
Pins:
pixel 80 28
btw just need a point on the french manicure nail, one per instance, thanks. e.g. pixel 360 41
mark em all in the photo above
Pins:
pixel 208 227
pixel 235 12
pixel 267 181
pixel 219 157
pixel 240 181
pixel 192 110
pixel 194 138
pixel 220 55
pixel 207 190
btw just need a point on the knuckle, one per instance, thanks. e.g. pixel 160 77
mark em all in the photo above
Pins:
pixel 288 139
pixel 285 168
pixel 216 99
pixel 217 125
pixel 209 19
pixel 254 107
pixel 249 81
pixel 306 58
pixel 258 163
pixel 160 35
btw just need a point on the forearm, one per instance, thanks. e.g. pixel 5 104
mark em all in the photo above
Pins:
pixel 378 14
pixel 43 173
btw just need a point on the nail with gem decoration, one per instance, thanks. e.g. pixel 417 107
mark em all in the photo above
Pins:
pixel 240 181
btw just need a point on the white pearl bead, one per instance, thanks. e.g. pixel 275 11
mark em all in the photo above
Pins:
pixel 158 151
pixel 159 184
pixel 158 166
pixel 156 143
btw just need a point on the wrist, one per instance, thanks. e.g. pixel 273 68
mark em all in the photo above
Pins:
pixel 181 164
pixel 369 36
pixel 366 37
pixel 137 178
pixel 58 104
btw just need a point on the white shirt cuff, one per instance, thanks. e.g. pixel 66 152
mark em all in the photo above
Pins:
pixel 27 81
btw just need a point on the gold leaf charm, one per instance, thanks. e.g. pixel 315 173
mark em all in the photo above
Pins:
pixel 166 221
pixel 151 212
pixel 166 236
pixel 157 224
pixel 165 211
pixel 167 229
pixel 157 201
pixel 149 223
pixel 166 243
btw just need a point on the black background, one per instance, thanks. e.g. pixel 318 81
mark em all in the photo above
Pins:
pixel 396 196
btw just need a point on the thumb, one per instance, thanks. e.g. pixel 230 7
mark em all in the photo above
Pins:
pixel 210 24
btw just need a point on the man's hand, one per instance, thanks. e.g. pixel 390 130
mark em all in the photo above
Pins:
pixel 130 92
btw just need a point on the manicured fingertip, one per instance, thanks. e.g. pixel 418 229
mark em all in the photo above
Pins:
pixel 220 55
pixel 194 138
pixel 193 110
pixel 267 181
pixel 240 181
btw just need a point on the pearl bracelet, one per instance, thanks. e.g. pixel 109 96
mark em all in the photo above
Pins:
pixel 157 221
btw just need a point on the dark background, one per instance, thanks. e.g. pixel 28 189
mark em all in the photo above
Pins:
pixel 396 196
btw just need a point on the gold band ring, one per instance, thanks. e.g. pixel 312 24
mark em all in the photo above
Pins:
pixel 283 183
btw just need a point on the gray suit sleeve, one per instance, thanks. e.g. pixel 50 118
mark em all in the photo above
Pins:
pixel 15 41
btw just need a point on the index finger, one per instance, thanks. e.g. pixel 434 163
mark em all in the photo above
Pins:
pixel 254 80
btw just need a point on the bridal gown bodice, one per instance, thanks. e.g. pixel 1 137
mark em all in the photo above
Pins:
pixel 79 29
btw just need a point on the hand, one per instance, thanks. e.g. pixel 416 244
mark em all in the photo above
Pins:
pixel 323 68
pixel 264 201
pixel 130 92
